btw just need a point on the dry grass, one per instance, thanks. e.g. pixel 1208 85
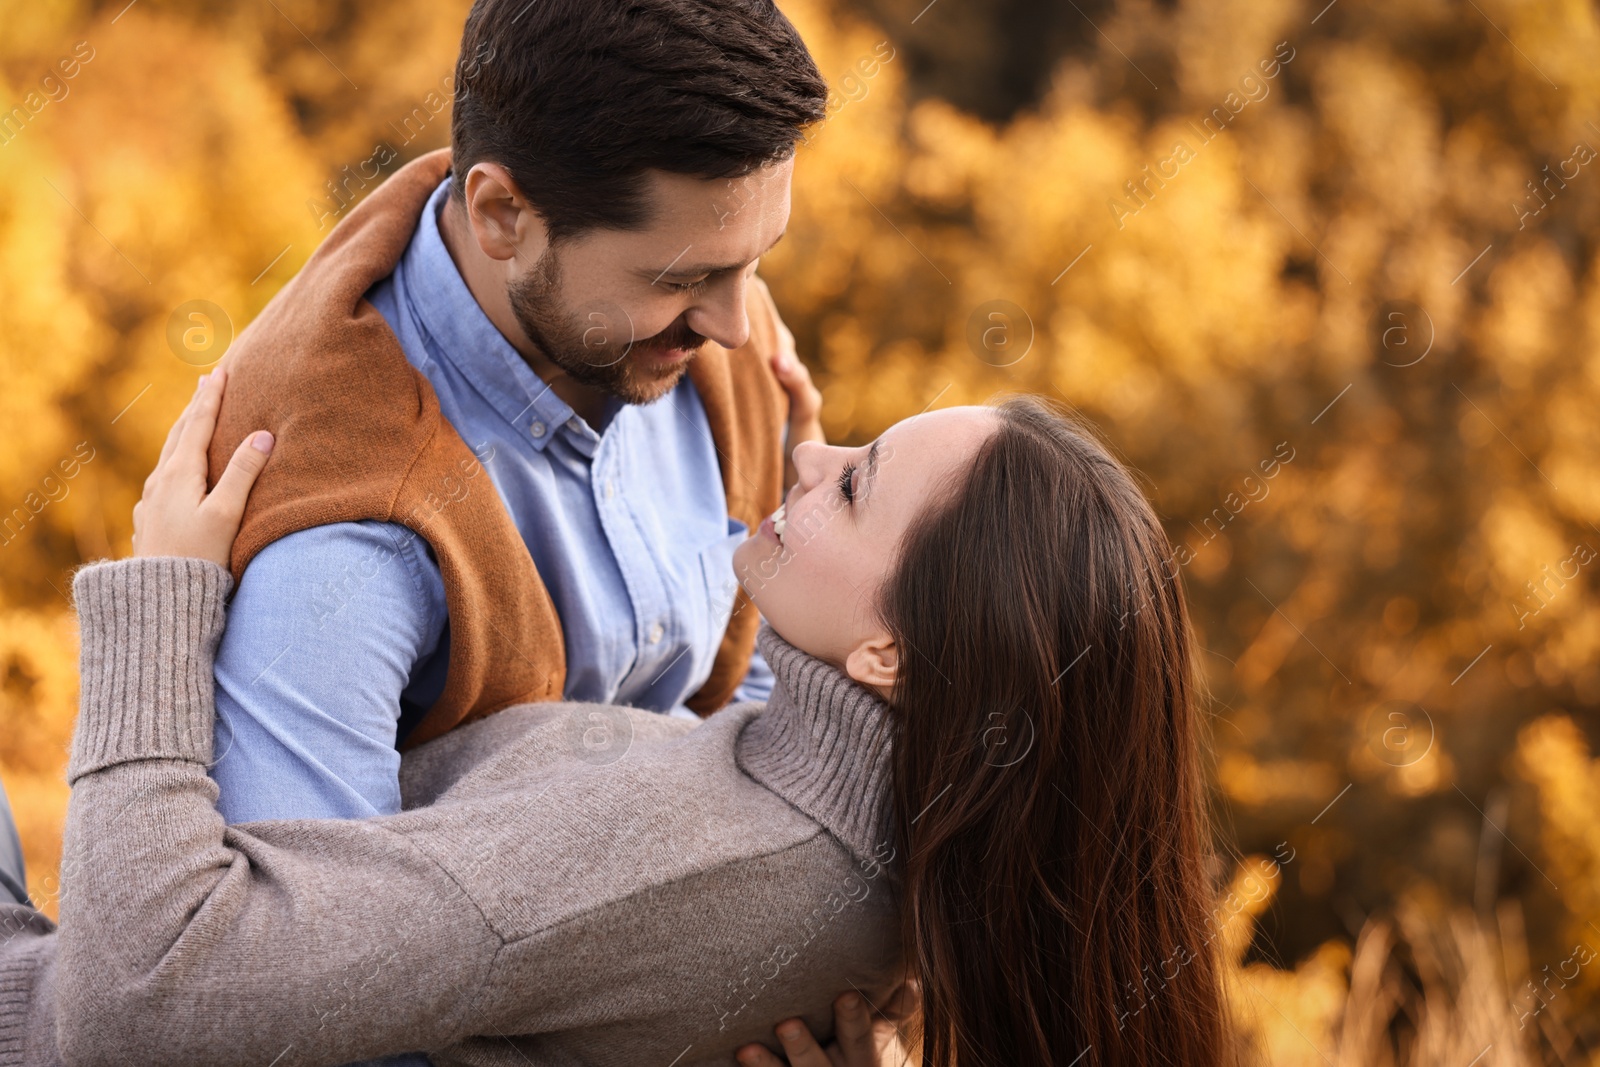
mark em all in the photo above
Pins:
pixel 1418 993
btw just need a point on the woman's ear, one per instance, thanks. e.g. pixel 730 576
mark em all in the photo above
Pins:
pixel 875 663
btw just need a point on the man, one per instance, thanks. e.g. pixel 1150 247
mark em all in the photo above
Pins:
pixel 527 401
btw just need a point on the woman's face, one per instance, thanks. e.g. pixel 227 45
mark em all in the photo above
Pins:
pixel 815 568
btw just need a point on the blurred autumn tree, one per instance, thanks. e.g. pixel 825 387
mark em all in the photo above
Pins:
pixel 1350 244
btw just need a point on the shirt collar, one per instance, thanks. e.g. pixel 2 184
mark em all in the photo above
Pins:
pixel 464 337
pixel 822 744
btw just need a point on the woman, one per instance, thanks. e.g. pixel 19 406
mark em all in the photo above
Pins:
pixel 978 771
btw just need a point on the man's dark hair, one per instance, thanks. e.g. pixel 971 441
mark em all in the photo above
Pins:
pixel 578 98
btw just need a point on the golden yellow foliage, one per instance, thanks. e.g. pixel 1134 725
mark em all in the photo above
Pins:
pixel 1327 274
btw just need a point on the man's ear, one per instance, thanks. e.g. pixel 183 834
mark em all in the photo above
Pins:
pixel 504 224
pixel 875 663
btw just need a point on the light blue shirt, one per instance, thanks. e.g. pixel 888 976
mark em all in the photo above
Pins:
pixel 338 636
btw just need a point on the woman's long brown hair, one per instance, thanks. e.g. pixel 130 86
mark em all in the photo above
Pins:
pixel 1048 796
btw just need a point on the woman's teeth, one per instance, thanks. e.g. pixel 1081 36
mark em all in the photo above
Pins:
pixel 779 522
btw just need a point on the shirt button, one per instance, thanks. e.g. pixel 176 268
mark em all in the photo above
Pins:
pixel 656 634
pixel 574 425
pixel 537 429
pixel 611 488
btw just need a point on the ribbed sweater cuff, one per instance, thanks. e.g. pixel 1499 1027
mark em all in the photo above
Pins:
pixel 26 952
pixel 149 631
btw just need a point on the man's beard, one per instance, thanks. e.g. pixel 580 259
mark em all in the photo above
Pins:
pixel 594 345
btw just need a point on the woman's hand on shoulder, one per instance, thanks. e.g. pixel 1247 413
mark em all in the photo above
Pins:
pixel 177 516
pixel 860 1040
pixel 805 399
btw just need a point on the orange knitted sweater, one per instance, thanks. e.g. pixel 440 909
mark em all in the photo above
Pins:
pixel 360 436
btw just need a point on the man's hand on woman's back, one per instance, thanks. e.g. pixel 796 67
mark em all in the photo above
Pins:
pixel 860 1039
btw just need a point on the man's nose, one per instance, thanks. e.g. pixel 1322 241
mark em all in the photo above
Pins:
pixel 720 315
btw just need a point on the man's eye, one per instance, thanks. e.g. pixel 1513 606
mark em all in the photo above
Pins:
pixel 687 287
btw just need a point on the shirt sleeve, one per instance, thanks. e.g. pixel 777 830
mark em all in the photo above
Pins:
pixel 322 637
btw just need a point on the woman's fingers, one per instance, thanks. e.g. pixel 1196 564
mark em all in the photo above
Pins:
pixel 805 407
pixel 199 423
pixel 805 399
pixel 194 440
pixel 176 516
pixel 176 431
pixel 227 500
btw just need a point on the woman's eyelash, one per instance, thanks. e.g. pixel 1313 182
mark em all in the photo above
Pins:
pixel 847 488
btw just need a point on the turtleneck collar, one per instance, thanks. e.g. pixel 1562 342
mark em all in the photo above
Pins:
pixel 823 745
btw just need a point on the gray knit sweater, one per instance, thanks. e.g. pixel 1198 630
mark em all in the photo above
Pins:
pixel 570 884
